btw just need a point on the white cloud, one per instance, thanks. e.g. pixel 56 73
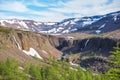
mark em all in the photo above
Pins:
pixel 13 6
pixel 58 10
pixel 114 6
pixel 48 16
pixel 87 8
pixel 39 16
pixel 77 5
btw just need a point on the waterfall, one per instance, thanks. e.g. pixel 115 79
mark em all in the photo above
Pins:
pixel 31 52
pixel 86 42
pixel 17 43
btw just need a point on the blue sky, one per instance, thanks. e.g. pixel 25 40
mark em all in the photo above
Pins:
pixel 55 10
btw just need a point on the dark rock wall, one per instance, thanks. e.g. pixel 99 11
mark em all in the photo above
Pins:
pixel 87 46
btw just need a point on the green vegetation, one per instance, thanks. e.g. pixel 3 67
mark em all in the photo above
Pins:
pixel 5 30
pixel 9 70
pixel 114 73
pixel 116 55
pixel 56 70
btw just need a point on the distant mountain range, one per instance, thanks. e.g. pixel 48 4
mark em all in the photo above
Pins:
pixel 92 24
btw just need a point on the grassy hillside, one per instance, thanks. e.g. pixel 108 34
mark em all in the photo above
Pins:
pixel 56 71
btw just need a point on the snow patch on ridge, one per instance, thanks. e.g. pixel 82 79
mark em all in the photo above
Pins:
pixel 2 22
pixel 115 18
pixel 72 22
pixel 23 24
pixel 102 26
pixel 50 23
pixel 10 21
pixel 65 31
pixel 32 52
pixel 37 23
pixel 75 29
pixel 98 31
pixel 87 23
pixel 66 23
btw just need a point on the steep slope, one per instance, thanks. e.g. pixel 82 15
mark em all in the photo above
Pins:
pixel 89 46
pixel 25 45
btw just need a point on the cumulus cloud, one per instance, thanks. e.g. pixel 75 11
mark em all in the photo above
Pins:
pixel 58 10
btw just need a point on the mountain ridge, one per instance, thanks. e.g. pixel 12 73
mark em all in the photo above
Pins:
pixel 67 25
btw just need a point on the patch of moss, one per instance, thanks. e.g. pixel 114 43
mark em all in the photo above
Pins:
pixel 5 30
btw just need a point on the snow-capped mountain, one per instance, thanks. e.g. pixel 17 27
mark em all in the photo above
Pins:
pixel 73 24
pixel 92 24
pixel 108 23
pixel 29 25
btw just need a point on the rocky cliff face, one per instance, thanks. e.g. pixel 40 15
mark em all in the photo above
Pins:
pixel 89 46
pixel 91 52
pixel 25 46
